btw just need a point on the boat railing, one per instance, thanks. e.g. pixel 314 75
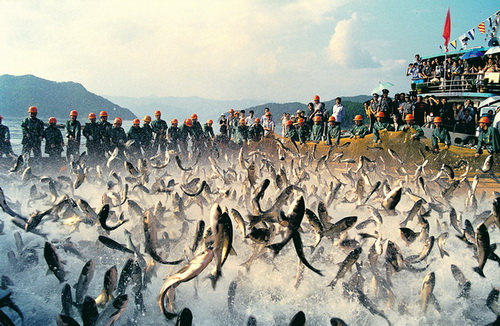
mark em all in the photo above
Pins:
pixel 482 82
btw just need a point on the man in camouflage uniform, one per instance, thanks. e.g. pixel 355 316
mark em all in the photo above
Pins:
pixel 33 133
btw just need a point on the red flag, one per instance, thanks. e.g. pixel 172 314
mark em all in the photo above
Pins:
pixel 447 28
pixel 481 28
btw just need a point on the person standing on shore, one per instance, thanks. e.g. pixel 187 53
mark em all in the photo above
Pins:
pixel 92 133
pixel 160 128
pixel 54 141
pixel 5 145
pixel 74 135
pixel 33 133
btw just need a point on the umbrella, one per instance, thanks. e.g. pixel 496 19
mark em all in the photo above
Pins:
pixel 381 86
pixel 493 50
pixel 472 54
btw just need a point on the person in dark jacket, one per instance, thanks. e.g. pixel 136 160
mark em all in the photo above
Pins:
pixel 291 131
pixel 440 135
pixel 104 131
pixel 256 131
pixel 411 127
pixel 186 133
pixel 92 132
pixel 135 134
pixel 489 137
pixel 317 129
pixel 359 130
pixel 147 137
pixel 118 137
pixel 174 135
pixel 74 135
pixel 241 133
pixel 380 125
pixel 5 145
pixel 332 132
pixel 54 141
pixel 160 129
pixel 33 133
pixel 303 130
pixel 208 130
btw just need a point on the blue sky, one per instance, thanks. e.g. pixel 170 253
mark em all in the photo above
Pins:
pixel 272 50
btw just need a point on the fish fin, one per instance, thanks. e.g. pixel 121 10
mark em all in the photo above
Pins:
pixel 233 252
pixel 479 271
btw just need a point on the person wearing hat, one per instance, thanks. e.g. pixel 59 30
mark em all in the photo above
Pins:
pixel 380 125
pixel 303 130
pixel 118 137
pixel 208 130
pixel 489 137
pixel 316 134
pixel 54 141
pixel 223 125
pixel 5 145
pixel 440 135
pixel 33 133
pixel 256 131
pixel 160 128
pixel 186 133
pixel 230 123
pixel 268 123
pixel 411 127
pixel 135 134
pixel 173 135
pixel 241 132
pixel 197 129
pixel 385 104
pixel 291 131
pixel 359 130
pixel 318 106
pixel 147 136
pixel 332 132
pixel 105 131
pixel 73 134
pixel 92 132
pixel 266 111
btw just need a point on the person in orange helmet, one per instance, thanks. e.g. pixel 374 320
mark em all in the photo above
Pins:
pixel 256 131
pixel 317 129
pixel 135 134
pixel 33 133
pixel 411 127
pixel 332 131
pixel 489 137
pixel 91 132
pixel 160 129
pixel 73 134
pixel 380 125
pixel 54 141
pixel 147 136
pixel 118 137
pixel 174 135
pixel 241 132
pixel 440 135
pixel 291 131
pixel 186 133
pixel 104 131
pixel 303 130
pixel 197 129
pixel 5 145
pixel 359 130
pixel 208 130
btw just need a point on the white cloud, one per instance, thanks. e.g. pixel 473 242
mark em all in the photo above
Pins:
pixel 345 48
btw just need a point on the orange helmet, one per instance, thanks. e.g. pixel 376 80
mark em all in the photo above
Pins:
pixel 317 119
pixel 194 116
pixel 147 118
pixel 257 120
pixel 136 121
pixel 210 121
pixel 174 121
pixel 331 119
pixel 267 114
pixel 409 117
pixel 52 120
pixel 484 120
pixel 242 121
pixel 380 115
pixel 289 123
pixel 92 116
pixel 231 110
pixel 157 113
pixel 118 121
pixel 316 98
pixel 358 117
pixel 1 117
pixel 32 109
pixel 301 120
pixel 438 120
pixel 103 114
pixel 73 113
pixel 188 122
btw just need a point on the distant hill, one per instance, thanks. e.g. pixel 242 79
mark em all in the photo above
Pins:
pixel 17 93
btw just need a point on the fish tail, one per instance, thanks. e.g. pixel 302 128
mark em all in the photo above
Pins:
pixel 479 271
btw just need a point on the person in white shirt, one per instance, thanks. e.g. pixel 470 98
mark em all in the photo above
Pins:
pixel 268 124
pixel 338 111
pixel 249 120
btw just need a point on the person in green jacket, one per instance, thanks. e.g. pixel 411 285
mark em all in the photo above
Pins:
pixel 104 131
pixel 147 136
pixel 74 135
pixel 5 145
pixel 208 130
pixel 440 135
pixel 380 125
pixel 241 133
pixel 303 130
pixel 174 135
pixel 186 133
pixel 160 129
pixel 411 127
pixel 91 132
pixel 54 141
pixel 118 137
pixel 135 134
pixel 317 130
pixel 291 131
pixel 332 131
pixel 33 133
pixel 256 131
pixel 359 130
pixel 489 137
